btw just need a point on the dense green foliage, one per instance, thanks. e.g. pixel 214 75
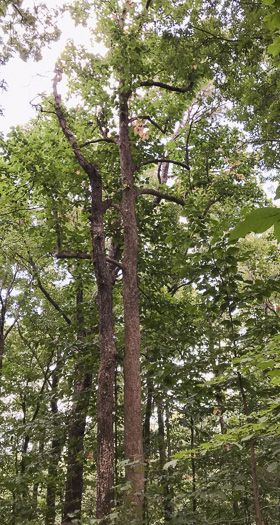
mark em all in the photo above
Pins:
pixel 209 312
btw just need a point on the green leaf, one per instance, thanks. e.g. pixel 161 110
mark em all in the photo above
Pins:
pixel 277 230
pixel 257 221
pixel 277 194
pixel 274 373
pixel 274 48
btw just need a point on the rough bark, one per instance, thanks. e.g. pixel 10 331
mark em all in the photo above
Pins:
pixel 105 399
pixel 76 432
pixel 133 440
pixel 106 374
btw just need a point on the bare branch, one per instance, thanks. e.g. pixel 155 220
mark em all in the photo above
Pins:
pixel 209 206
pixel 46 293
pixel 151 83
pixel 89 168
pixel 108 139
pixel 156 161
pixel 171 198
pixel 108 203
pixel 116 263
pixel 67 255
pixel 147 117
pixel 174 289
pixel 215 36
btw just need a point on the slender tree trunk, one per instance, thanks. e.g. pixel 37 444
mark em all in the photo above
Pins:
pixel 75 461
pixel 2 345
pixel 167 503
pixel 36 485
pixel 255 483
pixel 55 455
pixel 194 501
pixel 133 439
pixel 116 426
pixel 147 439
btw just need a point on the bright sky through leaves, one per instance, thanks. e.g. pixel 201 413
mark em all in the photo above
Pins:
pixel 27 79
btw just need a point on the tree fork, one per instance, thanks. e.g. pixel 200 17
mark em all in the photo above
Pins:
pixel 108 353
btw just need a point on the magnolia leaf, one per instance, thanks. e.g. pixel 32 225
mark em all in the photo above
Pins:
pixel 277 230
pixel 272 466
pixel 277 194
pixel 170 464
pixel 274 373
pixel 274 48
pixel 257 221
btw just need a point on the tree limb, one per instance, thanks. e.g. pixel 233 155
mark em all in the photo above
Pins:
pixel 89 168
pixel 171 198
pixel 151 83
pixel 108 139
pixel 66 255
pixel 116 263
pixel 46 293
pixel 156 161
pixel 147 117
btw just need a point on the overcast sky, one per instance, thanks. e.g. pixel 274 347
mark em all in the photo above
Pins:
pixel 26 79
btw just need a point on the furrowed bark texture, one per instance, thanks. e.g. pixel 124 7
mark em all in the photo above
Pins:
pixel 133 440
pixel 106 374
pixel 75 462
pixel 105 398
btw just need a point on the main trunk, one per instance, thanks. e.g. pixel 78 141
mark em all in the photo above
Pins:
pixel 133 440
pixel 105 397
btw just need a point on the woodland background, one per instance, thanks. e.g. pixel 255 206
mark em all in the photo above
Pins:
pixel 139 331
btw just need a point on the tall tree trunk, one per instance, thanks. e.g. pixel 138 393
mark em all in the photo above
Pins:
pixel 106 374
pixel 133 439
pixel 108 353
pixel 75 461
